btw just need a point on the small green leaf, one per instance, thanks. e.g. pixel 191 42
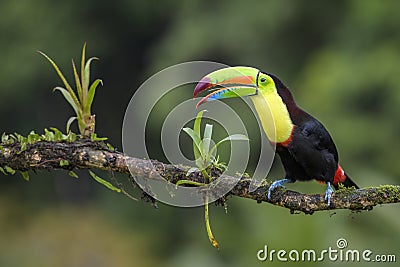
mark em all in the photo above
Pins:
pixel 66 84
pixel 69 98
pixel 193 135
pixel 33 137
pixel 104 182
pixel 9 170
pixel 73 174
pixel 94 137
pixel 207 138
pixel 206 155
pixel 4 138
pixel 233 137
pixel 197 122
pixel 3 171
pixel 196 129
pixel 64 162
pixel 110 147
pixel 13 138
pixel 78 83
pixel 83 59
pixel 58 135
pixel 189 182
pixel 20 138
pixel 69 122
pixel 196 143
pixel 71 137
pixel 90 96
pixel 48 135
pixel 25 175
pixel 23 146
pixel 85 85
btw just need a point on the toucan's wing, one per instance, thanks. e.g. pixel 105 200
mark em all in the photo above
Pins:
pixel 312 148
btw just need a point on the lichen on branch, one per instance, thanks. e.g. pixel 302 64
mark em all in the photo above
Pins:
pixel 92 154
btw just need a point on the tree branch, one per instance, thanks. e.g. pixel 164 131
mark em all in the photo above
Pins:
pixel 85 154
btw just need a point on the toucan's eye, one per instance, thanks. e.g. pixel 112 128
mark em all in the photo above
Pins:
pixel 263 80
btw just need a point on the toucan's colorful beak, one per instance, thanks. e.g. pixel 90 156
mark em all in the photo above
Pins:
pixel 228 83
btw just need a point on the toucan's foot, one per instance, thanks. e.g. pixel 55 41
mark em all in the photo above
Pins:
pixel 328 193
pixel 276 184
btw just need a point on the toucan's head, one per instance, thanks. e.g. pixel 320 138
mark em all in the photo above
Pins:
pixel 272 100
pixel 235 82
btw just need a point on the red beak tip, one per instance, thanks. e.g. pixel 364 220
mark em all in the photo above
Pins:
pixel 202 85
pixel 200 103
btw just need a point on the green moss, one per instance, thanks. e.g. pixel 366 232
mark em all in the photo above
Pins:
pixel 25 175
pixel 388 193
pixel 64 162
pixel 9 170
pixel 52 135
pixel 344 191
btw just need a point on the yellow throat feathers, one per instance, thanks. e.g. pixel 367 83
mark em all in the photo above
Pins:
pixel 273 115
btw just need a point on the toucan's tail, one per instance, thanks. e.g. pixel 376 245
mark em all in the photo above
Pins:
pixel 343 178
pixel 349 183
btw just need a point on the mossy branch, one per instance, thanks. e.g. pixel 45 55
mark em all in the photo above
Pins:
pixel 88 154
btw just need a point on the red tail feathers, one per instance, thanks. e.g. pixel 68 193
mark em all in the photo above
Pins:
pixel 343 178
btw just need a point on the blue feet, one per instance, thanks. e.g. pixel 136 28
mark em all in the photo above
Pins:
pixel 328 193
pixel 276 184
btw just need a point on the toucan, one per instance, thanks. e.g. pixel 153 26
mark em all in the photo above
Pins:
pixel 303 144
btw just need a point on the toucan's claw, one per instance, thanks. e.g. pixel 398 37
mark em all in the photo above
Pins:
pixel 277 183
pixel 328 193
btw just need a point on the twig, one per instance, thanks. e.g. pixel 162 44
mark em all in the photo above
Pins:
pixel 85 154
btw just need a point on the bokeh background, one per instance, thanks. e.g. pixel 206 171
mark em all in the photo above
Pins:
pixel 340 58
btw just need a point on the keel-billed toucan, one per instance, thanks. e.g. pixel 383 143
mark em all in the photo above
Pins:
pixel 305 147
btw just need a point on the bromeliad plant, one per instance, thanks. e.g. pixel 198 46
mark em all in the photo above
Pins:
pixel 206 160
pixel 82 102
pixel 204 151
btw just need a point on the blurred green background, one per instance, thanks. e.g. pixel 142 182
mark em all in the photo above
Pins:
pixel 340 58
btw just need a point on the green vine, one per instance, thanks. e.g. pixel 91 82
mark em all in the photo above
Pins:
pixel 206 159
